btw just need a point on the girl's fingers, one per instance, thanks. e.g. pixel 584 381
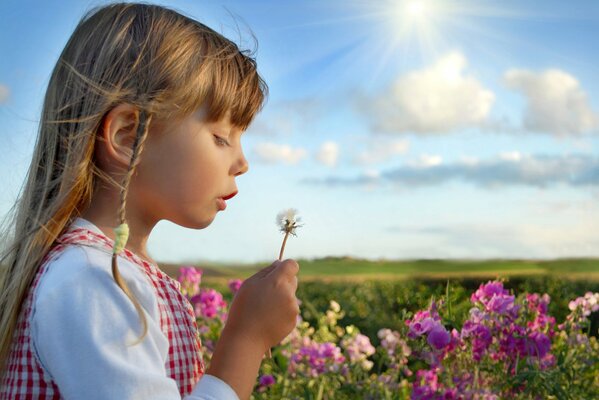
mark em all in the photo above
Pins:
pixel 289 268
pixel 265 271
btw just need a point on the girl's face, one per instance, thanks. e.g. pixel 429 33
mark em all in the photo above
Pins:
pixel 186 167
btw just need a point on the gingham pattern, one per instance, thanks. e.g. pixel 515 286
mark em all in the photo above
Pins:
pixel 25 378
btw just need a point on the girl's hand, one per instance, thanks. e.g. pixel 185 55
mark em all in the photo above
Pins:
pixel 265 308
pixel 263 311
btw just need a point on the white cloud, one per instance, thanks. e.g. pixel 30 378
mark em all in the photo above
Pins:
pixel 505 170
pixel 425 161
pixel 436 99
pixel 490 240
pixel 277 153
pixel 510 156
pixel 4 93
pixel 328 153
pixel 469 160
pixel 556 103
pixel 380 151
pixel 372 173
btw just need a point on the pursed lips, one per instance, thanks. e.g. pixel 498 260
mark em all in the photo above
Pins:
pixel 229 196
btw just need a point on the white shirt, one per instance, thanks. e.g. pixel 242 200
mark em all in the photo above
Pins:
pixel 78 322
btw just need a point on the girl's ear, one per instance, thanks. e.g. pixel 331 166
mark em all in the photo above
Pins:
pixel 116 137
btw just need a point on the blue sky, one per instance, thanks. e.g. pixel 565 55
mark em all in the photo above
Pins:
pixel 397 129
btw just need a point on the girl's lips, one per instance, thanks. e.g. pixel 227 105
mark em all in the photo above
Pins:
pixel 221 204
pixel 229 196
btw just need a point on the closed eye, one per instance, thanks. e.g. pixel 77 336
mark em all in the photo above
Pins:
pixel 221 141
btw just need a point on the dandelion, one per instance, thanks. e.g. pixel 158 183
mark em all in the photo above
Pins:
pixel 288 222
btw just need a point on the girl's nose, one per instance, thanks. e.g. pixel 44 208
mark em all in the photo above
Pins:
pixel 242 165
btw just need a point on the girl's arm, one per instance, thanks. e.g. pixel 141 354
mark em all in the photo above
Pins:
pixel 80 320
pixel 262 313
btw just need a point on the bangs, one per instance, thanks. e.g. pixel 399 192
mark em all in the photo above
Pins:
pixel 227 81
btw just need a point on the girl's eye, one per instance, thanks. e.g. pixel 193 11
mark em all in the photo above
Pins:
pixel 221 141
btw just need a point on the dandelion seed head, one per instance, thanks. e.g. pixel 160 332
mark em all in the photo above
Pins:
pixel 288 221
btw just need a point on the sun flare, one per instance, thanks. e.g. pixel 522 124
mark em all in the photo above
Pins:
pixel 416 8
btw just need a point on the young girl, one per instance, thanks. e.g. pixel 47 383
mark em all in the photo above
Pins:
pixel 141 122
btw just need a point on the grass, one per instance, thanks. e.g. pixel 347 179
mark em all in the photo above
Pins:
pixel 355 269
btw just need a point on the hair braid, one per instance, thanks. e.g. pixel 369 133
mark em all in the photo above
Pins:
pixel 138 144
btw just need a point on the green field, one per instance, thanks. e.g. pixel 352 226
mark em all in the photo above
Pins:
pixel 348 268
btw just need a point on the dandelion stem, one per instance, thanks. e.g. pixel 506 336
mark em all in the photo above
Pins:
pixel 283 246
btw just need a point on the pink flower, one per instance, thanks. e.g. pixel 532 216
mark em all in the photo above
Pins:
pixel 234 285
pixel 486 291
pixel 190 279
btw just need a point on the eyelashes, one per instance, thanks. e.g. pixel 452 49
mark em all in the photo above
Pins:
pixel 221 141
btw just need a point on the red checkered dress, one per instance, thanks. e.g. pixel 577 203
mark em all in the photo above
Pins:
pixel 25 377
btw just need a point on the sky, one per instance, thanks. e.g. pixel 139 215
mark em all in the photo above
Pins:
pixel 398 129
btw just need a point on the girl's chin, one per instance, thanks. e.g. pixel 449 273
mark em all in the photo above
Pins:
pixel 194 222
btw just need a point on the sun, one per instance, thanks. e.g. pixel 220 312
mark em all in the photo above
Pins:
pixel 416 8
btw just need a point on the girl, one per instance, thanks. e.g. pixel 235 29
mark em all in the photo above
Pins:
pixel 142 121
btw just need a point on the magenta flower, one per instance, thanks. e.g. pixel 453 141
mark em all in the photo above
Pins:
pixel 234 285
pixel 486 291
pixel 209 304
pixel 538 303
pixel 426 385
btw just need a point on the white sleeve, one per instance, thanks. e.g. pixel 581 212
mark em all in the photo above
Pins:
pixel 81 325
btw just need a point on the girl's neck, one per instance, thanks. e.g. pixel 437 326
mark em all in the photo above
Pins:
pixel 102 213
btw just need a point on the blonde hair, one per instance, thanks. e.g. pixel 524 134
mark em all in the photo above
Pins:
pixel 162 62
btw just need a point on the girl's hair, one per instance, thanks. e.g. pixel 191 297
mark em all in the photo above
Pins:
pixel 162 62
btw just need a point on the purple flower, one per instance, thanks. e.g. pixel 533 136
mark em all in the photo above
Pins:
pixel 359 348
pixel 418 328
pixel 266 380
pixel 500 304
pixel 538 345
pixel 392 342
pixel 438 337
pixel 313 359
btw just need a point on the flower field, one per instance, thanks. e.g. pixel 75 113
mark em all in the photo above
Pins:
pixel 523 338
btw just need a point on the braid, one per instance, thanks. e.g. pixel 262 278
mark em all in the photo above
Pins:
pixel 122 231
pixel 138 144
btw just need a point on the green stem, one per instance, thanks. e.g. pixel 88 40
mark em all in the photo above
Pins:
pixel 320 390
